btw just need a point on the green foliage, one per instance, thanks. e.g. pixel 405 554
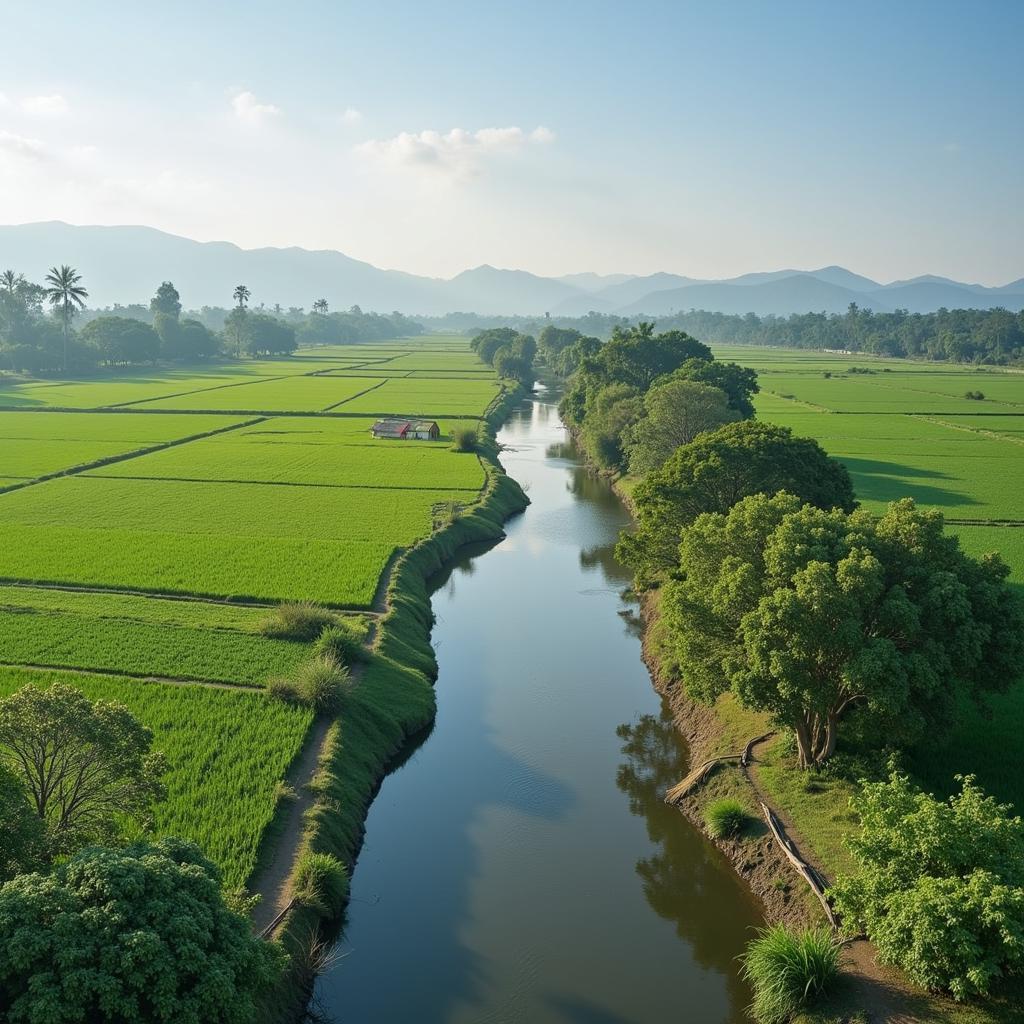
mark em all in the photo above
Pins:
pixel 120 341
pixel 636 356
pixel 715 471
pixel 725 818
pixel 610 413
pixel 675 412
pixel 297 620
pixel 464 439
pixel 320 881
pixel 939 888
pixel 226 750
pixel 22 832
pixel 341 643
pixel 151 926
pixel 267 336
pixel 738 382
pixel 86 765
pixel 977 396
pixel 804 613
pixel 322 682
pixel 166 302
pixel 789 970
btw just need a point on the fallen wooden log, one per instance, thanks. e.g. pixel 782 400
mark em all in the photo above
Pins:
pixel 802 868
pixel 700 773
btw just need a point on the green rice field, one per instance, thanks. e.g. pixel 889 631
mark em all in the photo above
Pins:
pixel 141 550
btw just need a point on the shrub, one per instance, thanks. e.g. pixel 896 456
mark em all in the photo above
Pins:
pixel 321 881
pixel 283 689
pixel 725 817
pixel 322 682
pixel 789 970
pixel 939 888
pixel 141 933
pixel 297 620
pixel 464 439
pixel 343 644
pixel 977 396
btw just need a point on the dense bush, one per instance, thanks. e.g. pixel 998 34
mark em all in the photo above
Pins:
pixel 321 881
pixel 22 832
pixel 297 620
pixel 341 643
pixel 725 817
pixel 977 396
pixel 939 887
pixel 464 439
pixel 789 970
pixel 140 934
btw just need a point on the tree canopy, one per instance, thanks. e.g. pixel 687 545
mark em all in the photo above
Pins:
pixel 22 833
pixel 166 301
pixel 85 765
pixel 939 885
pixel 806 614
pixel 140 934
pixel 120 340
pixel 712 473
pixel 675 412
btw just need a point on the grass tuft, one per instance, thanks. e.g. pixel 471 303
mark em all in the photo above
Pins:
pixel 341 643
pixel 725 817
pixel 297 620
pixel 320 881
pixel 789 970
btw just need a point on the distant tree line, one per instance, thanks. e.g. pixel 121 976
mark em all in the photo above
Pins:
pixel 37 332
pixel 960 335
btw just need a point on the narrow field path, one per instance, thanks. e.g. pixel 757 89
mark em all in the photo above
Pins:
pixel 144 677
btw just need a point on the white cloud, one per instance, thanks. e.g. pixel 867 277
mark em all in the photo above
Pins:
pixel 19 145
pixel 248 109
pixel 457 153
pixel 351 117
pixel 54 105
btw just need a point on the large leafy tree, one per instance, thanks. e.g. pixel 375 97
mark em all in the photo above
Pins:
pixel 805 614
pixel 167 301
pixel 65 292
pixel 675 412
pixel 140 934
pixel 266 335
pixel 85 765
pixel 22 833
pixel 121 339
pixel 939 884
pixel 738 382
pixel 715 471
pixel 637 356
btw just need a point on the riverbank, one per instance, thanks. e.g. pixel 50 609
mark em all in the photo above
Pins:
pixel 392 703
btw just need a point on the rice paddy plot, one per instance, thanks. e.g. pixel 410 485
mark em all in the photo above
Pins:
pixel 51 442
pixel 410 397
pixel 260 541
pixel 271 458
pixel 228 750
pixel 288 394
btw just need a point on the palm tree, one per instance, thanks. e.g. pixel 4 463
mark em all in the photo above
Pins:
pixel 320 306
pixel 241 295
pixel 9 281
pixel 66 293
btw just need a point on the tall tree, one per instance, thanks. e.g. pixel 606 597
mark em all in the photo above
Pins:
pixel 66 294
pixel 86 765
pixel 320 306
pixel 166 302
pixel 715 471
pixel 9 281
pixel 241 295
pixel 806 614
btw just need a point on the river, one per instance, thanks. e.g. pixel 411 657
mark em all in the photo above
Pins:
pixel 520 865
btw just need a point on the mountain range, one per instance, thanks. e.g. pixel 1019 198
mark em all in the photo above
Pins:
pixel 124 264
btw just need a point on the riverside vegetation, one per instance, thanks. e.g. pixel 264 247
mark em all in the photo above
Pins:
pixel 197 552
pixel 884 633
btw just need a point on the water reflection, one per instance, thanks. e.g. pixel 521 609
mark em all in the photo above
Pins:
pixel 684 878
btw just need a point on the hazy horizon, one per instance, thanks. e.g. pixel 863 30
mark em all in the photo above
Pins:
pixel 706 142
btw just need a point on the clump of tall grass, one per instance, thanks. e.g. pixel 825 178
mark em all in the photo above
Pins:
pixel 297 620
pixel 342 643
pixel 726 817
pixel 320 881
pixel 464 439
pixel 320 683
pixel 789 970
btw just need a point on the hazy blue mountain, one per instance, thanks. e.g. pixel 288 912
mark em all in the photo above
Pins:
pixel 126 264
pixel 594 282
pixel 780 296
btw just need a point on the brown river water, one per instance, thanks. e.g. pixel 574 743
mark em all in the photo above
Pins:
pixel 520 864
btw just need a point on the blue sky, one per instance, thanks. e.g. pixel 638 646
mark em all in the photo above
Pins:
pixel 707 139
